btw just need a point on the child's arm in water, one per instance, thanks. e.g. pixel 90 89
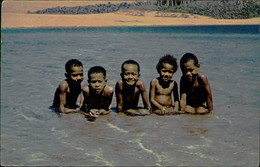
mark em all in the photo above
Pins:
pixel 209 101
pixel 119 96
pixel 184 108
pixel 109 91
pixel 144 96
pixel 62 92
pixel 176 98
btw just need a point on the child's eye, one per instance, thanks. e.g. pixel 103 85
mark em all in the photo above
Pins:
pixel 75 75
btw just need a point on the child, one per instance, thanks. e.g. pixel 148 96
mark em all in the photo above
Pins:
pixel 68 90
pixel 129 88
pixel 97 96
pixel 161 88
pixel 196 97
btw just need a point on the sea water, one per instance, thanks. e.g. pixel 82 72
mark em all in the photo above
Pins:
pixel 32 65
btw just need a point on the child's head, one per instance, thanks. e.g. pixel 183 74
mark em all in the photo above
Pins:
pixel 74 71
pixel 97 79
pixel 166 67
pixel 130 70
pixel 189 66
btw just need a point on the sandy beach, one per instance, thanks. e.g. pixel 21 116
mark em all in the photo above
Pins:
pixel 14 15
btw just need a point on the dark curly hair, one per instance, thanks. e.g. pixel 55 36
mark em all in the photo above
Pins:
pixel 130 62
pixel 170 59
pixel 72 63
pixel 188 56
pixel 96 69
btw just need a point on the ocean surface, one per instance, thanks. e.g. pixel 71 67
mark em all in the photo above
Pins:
pixel 32 65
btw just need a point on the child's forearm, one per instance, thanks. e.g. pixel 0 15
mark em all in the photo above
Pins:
pixel 182 105
pixel 209 104
pixel 69 110
pixel 157 105
pixel 104 112
pixel 176 106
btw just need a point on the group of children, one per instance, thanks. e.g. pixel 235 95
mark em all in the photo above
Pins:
pixel 95 98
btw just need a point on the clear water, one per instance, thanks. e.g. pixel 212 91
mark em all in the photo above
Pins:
pixel 33 64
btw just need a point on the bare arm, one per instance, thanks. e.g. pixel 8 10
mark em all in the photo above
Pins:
pixel 183 96
pixel 62 90
pixel 176 96
pixel 109 92
pixel 208 93
pixel 152 95
pixel 119 97
pixel 144 96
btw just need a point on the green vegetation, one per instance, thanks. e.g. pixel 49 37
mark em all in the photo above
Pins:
pixel 224 9
pixel 220 9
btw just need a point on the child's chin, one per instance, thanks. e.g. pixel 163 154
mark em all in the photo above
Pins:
pixel 130 83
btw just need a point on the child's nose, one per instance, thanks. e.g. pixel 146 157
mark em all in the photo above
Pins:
pixel 189 73
pixel 79 77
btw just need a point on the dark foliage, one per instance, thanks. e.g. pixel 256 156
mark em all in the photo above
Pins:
pixel 221 9
pixel 94 9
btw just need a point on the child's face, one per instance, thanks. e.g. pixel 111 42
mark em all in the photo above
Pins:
pixel 190 70
pixel 76 74
pixel 166 72
pixel 97 82
pixel 130 74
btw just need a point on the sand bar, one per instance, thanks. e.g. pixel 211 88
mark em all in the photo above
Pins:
pixel 14 15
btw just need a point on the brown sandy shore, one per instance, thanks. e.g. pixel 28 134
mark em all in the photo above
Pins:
pixel 14 15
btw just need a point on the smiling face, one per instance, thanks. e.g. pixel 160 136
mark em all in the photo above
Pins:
pixel 166 72
pixel 75 74
pixel 190 71
pixel 130 74
pixel 97 82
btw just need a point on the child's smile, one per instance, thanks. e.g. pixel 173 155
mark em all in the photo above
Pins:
pixel 166 72
pixel 130 74
pixel 190 70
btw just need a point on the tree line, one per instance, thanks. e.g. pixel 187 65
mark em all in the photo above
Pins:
pixel 222 9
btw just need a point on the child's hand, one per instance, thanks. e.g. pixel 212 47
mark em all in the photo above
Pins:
pixel 94 113
pixel 163 111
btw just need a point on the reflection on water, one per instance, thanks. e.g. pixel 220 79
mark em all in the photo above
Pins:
pixel 33 64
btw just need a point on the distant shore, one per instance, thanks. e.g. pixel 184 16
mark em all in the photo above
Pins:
pixel 14 15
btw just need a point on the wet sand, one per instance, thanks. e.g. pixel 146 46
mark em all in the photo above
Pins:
pixel 14 15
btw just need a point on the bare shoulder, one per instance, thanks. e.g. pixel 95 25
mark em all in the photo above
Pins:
pixel 86 88
pixel 109 90
pixel 203 78
pixel 140 83
pixel 83 83
pixel 63 86
pixel 119 84
pixel 154 81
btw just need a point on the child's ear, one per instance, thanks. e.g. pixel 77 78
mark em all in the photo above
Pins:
pixel 106 81
pixel 66 75
pixel 198 65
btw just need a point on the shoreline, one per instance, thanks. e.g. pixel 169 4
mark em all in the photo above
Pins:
pixel 118 19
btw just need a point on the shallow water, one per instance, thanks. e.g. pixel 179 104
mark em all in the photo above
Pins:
pixel 33 64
